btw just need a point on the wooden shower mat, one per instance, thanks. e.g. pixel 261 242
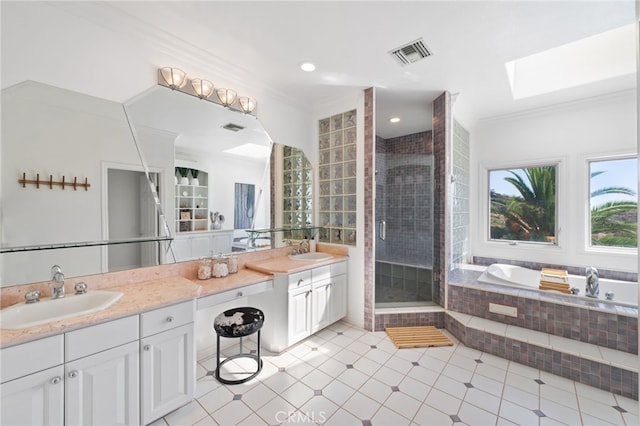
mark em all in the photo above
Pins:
pixel 417 337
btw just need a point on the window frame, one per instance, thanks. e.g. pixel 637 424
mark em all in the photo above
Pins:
pixel 588 247
pixel 520 166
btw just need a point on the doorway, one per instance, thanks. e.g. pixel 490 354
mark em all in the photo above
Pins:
pixel 404 221
pixel 131 213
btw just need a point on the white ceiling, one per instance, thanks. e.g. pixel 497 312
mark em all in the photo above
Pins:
pixel 349 43
pixel 263 42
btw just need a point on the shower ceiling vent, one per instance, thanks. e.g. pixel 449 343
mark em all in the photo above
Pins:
pixel 411 52
pixel 233 127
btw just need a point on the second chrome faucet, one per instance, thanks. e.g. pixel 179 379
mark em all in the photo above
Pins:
pixel 57 282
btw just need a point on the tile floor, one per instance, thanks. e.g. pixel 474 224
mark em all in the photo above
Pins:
pixel 344 375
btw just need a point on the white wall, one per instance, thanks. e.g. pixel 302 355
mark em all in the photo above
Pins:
pixel 569 133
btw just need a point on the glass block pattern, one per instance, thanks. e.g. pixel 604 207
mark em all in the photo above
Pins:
pixel 297 207
pixel 337 178
pixel 460 211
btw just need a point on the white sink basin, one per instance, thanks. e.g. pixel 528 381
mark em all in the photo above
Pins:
pixel 311 257
pixel 25 315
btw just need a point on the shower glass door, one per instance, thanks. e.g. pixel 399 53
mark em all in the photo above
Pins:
pixel 404 221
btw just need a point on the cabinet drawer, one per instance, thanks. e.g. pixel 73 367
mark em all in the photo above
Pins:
pixel 338 268
pixel 97 338
pixel 321 273
pixel 216 299
pixel 166 318
pixel 27 358
pixel 299 279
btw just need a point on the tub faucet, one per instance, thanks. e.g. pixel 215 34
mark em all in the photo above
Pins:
pixel 57 282
pixel 593 282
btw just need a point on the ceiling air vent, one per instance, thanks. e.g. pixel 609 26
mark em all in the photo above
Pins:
pixel 411 52
pixel 233 127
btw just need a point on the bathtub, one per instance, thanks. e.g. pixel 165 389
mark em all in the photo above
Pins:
pixel 625 292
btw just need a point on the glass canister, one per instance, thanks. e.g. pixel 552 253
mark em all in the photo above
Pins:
pixel 220 267
pixel 232 264
pixel 204 269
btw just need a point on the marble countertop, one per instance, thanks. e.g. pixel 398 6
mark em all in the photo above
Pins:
pixel 136 298
pixel 285 265
pixel 155 293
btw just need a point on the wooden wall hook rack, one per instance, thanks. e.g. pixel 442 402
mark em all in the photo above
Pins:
pixel 51 183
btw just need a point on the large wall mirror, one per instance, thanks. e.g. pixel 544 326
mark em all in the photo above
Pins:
pixel 55 132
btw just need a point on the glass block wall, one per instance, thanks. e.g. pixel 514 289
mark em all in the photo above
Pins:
pixel 297 186
pixel 460 211
pixel 337 178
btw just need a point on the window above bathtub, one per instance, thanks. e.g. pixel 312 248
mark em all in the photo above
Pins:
pixel 523 204
pixel 613 204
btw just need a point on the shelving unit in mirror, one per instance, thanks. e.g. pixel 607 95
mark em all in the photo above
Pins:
pixel 192 205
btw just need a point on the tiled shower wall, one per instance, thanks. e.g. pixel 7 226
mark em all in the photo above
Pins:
pixel 441 130
pixel 460 187
pixel 404 198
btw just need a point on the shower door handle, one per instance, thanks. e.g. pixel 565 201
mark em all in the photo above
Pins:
pixel 383 230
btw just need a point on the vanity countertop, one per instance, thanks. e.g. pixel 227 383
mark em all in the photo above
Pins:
pixel 136 298
pixel 285 265
pixel 143 296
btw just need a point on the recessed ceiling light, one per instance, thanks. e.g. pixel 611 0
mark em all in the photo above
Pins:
pixel 307 66
pixel 394 119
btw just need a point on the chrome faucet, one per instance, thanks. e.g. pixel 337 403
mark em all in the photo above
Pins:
pixel 57 282
pixel 593 282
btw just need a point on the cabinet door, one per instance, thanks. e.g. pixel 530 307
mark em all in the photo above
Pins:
pixel 321 305
pixel 338 298
pixel 222 242
pixel 36 399
pixel 201 246
pixel 103 388
pixel 167 371
pixel 181 248
pixel 299 314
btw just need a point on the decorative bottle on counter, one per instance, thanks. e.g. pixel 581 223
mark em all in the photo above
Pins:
pixel 204 269
pixel 220 267
pixel 232 264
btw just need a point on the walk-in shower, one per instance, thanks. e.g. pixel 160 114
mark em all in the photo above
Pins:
pixel 404 221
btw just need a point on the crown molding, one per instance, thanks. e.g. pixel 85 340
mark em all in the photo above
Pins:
pixel 110 17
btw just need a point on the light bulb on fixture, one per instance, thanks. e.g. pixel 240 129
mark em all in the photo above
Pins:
pixel 247 104
pixel 394 120
pixel 202 88
pixel 226 96
pixel 174 77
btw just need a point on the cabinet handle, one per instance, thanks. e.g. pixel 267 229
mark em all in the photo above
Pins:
pixel 73 374
pixel 147 347
pixel 300 281
pixel 239 294
pixel 170 318
pixel 56 380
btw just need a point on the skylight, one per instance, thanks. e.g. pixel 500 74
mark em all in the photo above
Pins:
pixel 251 150
pixel 599 57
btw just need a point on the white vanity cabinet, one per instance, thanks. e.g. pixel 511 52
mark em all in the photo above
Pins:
pixel 103 388
pixel 302 303
pixel 127 371
pixel 167 356
pixel 32 377
pixel 201 244
pixel 102 374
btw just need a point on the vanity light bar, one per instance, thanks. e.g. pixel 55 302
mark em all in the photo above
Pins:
pixel 204 90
